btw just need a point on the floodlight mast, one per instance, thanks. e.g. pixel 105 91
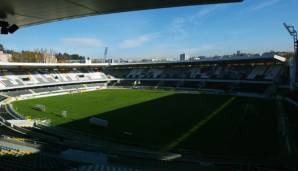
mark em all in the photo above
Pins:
pixel 293 33
pixel 294 63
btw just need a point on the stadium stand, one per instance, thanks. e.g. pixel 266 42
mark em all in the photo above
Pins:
pixel 7 112
pixel 75 86
pixel 272 72
pixel 14 152
pixel 220 72
pixel 95 84
pixel 2 98
pixel 46 89
pixel 103 168
pixel 228 74
pixel 19 79
pixel 257 71
pixel 4 114
pixel 35 162
pixel 18 92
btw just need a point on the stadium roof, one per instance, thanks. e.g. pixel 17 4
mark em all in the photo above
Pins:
pixel 234 60
pixel 31 12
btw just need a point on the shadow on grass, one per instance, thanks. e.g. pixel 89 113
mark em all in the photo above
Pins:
pixel 237 130
pixel 247 127
pixel 152 123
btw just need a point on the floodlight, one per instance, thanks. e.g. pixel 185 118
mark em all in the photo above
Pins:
pixel 13 28
pixel 4 30
pixel 4 24
pixel 280 58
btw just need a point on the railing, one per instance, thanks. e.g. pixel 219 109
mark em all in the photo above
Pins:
pixel 10 110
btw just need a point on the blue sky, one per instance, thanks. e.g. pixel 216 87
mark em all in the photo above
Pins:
pixel 251 26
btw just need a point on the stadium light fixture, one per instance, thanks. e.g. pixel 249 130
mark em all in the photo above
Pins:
pixel 4 30
pixel 293 33
pixel 280 58
pixel 4 24
pixel 290 29
pixel 13 28
pixel 7 28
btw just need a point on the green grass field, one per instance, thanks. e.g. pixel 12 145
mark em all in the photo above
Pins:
pixel 166 120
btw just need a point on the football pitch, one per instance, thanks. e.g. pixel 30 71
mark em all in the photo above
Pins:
pixel 167 120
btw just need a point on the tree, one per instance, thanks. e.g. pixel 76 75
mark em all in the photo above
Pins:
pixel 1 47
pixel 66 57
pixel 38 55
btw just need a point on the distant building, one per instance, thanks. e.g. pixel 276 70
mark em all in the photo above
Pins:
pixel 183 57
pixel 171 59
pixel 123 60
pixel 74 61
pixel 195 58
pixel 5 57
pixel 110 60
pixel 146 60
pixel 50 58
pixel 88 61
pixel 155 60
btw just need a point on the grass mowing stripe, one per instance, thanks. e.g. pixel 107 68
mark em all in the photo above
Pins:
pixel 197 126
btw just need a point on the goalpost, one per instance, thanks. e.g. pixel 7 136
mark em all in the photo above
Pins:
pixel 63 114
pixel 39 107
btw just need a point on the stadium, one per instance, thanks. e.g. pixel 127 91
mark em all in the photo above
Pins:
pixel 235 113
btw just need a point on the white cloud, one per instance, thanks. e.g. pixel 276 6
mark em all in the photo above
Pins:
pixel 264 4
pixel 203 13
pixel 180 25
pixel 137 41
pixel 83 41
